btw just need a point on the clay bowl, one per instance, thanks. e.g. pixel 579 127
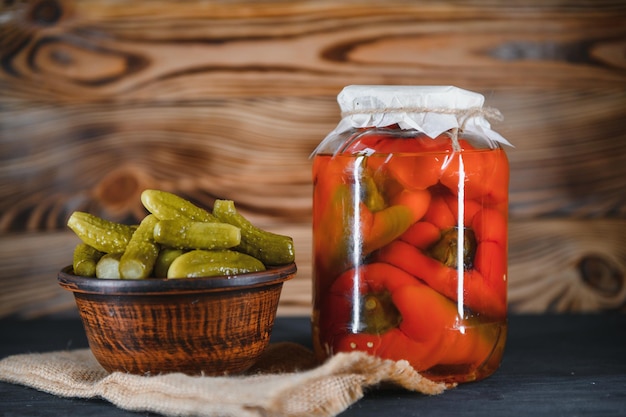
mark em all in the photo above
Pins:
pixel 209 326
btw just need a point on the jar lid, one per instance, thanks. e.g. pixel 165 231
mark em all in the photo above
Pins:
pixel 431 110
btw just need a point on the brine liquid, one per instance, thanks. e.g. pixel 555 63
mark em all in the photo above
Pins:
pixel 410 259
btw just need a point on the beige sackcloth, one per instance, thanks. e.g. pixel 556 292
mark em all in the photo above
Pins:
pixel 285 381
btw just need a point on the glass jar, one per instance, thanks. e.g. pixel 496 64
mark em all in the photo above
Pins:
pixel 410 231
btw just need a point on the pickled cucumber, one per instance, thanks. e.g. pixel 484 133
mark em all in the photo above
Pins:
pixel 141 252
pixel 168 206
pixel 183 234
pixel 202 263
pixel 164 260
pixel 85 259
pixel 269 248
pixel 109 266
pixel 101 234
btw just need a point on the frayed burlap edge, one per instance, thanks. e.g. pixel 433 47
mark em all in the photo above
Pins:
pixel 322 391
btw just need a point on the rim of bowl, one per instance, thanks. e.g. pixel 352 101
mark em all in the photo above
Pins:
pixel 93 285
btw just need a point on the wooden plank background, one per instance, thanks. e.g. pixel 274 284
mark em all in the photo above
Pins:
pixel 100 99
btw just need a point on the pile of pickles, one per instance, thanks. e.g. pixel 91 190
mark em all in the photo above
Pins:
pixel 177 239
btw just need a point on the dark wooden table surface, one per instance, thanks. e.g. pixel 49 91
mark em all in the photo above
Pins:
pixel 555 365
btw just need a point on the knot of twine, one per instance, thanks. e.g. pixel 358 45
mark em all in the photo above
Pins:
pixel 463 115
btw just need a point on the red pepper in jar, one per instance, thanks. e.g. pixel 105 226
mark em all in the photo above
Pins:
pixel 378 220
pixel 395 316
pixel 403 170
pixel 486 177
pixel 429 250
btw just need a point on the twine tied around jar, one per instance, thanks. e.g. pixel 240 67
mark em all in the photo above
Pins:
pixel 463 115
pixel 489 113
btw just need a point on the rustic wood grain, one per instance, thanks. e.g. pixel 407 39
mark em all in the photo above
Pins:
pixel 97 50
pixel 560 265
pixel 101 99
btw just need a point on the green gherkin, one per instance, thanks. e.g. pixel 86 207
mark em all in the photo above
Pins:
pixel 101 234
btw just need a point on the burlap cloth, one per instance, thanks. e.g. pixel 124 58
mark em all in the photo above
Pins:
pixel 286 381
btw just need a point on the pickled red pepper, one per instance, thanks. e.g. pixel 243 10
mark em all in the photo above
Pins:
pixel 388 325
pixel 429 252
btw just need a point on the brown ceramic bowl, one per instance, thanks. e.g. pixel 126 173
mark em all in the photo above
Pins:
pixel 210 326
